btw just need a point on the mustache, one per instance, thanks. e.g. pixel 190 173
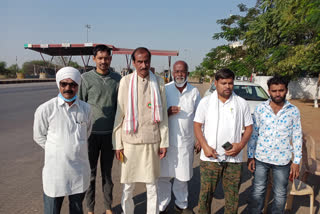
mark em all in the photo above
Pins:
pixel 68 92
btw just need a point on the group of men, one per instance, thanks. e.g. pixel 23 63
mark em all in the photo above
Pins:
pixel 153 129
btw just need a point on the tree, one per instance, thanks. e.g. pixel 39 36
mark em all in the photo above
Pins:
pixel 34 67
pixel 74 64
pixel 285 36
pixel 277 37
pixel 61 62
pixel 198 72
pixel 3 69
pixel 13 69
pixel 234 55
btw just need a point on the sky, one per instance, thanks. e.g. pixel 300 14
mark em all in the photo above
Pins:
pixel 183 25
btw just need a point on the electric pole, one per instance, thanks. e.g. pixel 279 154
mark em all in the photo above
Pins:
pixel 88 27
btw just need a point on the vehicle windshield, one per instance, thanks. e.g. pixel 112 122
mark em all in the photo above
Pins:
pixel 248 92
pixel 251 92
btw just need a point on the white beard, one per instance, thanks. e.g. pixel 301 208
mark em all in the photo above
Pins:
pixel 180 85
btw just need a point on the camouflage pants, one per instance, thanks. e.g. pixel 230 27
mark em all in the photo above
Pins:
pixel 211 173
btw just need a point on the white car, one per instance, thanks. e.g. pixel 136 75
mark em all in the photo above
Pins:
pixel 253 93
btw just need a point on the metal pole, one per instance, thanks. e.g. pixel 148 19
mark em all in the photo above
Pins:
pixel 84 64
pixel 16 63
pixel 69 60
pixel 88 27
pixel 64 62
pixel 169 70
pixel 88 60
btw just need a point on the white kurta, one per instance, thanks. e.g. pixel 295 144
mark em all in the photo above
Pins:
pixel 179 159
pixel 141 149
pixel 63 131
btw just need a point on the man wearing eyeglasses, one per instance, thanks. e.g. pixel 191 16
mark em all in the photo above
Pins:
pixel 99 88
pixel 62 126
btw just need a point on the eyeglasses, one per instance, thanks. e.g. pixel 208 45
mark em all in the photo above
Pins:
pixel 180 71
pixel 71 84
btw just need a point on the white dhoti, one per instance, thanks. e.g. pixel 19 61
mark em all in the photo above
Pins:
pixel 179 189
pixel 178 165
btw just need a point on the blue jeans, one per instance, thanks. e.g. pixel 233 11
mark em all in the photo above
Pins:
pixel 53 205
pixel 280 176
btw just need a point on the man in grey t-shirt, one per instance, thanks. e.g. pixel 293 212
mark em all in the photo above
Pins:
pixel 99 88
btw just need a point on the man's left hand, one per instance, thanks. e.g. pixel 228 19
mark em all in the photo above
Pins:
pixel 236 148
pixel 197 147
pixel 294 171
pixel 162 152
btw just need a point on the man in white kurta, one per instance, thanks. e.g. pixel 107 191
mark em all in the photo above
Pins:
pixel 140 135
pixel 61 127
pixel 182 102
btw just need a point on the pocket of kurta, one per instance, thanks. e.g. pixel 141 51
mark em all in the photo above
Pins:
pixel 82 131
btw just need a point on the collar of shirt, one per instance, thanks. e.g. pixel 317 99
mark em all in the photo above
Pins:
pixel 143 80
pixel 227 101
pixel 102 75
pixel 286 105
pixel 61 102
pixel 187 88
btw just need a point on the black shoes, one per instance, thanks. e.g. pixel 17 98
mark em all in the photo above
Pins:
pixel 178 210
pixel 164 211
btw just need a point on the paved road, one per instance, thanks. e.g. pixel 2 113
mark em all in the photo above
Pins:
pixel 21 159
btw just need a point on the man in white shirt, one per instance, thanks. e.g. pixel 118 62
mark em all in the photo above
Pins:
pixel 223 115
pixel 61 127
pixel 182 102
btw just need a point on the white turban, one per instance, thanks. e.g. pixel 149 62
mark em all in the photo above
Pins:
pixel 68 72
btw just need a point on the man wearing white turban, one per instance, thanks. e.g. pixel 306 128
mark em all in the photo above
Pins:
pixel 61 127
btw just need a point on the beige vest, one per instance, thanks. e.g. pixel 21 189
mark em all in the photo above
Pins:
pixel 147 131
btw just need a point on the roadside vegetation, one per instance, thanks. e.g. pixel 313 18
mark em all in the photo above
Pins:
pixel 34 67
pixel 273 37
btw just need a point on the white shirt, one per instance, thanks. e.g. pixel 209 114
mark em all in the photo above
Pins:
pixel 63 131
pixel 225 125
pixel 179 159
pixel 181 124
